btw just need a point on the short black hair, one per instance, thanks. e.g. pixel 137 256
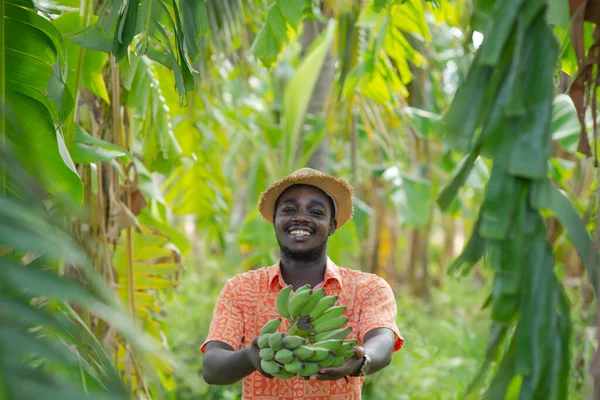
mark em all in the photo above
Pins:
pixel 329 199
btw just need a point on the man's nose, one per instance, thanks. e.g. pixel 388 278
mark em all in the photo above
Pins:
pixel 301 217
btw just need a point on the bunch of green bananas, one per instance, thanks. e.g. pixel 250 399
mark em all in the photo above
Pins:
pixel 314 340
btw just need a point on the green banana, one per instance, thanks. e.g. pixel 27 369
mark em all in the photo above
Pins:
pixel 284 375
pixel 345 347
pixel 298 301
pixel 332 344
pixel 294 367
pixel 271 326
pixel 263 340
pixel 282 301
pixel 338 362
pixel 347 354
pixel 333 312
pixel 292 342
pixel 323 305
pixel 276 341
pixel 320 354
pixel 327 362
pixel 335 334
pixel 312 302
pixel 330 325
pixel 284 356
pixel 271 367
pixel 304 352
pixel 267 354
pixel 309 368
pixel 301 288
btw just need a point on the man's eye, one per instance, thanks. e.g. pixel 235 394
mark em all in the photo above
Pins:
pixel 288 209
pixel 316 212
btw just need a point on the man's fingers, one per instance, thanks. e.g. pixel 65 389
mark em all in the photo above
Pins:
pixel 335 371
pixel 359 352
pixel 321 377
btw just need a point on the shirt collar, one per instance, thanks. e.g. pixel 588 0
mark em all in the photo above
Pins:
pixel 332 272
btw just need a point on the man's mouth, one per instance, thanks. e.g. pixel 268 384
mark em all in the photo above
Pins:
pixel 300 232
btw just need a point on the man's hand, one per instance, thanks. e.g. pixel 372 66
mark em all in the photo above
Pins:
pixel 254 357
pixel 350 367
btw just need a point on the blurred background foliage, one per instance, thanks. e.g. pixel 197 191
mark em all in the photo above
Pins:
pixel 144 132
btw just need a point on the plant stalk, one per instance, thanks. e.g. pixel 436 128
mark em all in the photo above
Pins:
pixel 595 365
pixel 116 111
pixel 85 12
pixel 2 98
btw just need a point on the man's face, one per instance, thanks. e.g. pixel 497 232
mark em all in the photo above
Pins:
pixel 303 219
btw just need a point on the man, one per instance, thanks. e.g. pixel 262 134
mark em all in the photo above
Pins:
pixel 305 208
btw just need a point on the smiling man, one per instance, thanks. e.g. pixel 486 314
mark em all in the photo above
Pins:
pixel 305 208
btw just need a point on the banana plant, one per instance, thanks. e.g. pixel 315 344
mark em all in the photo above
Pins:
pixel 168 33
pixel 530 331
pixel 47 349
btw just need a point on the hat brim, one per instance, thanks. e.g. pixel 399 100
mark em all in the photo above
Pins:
pixel 338 189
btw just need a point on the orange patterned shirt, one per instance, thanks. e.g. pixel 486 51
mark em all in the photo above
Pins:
pixel 248 301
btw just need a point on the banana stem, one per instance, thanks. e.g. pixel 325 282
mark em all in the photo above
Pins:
pixel 85 10
pixel 292 329
pixel 295 330
pixel 2 98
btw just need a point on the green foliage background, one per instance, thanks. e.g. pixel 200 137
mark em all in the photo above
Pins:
pixel 143 132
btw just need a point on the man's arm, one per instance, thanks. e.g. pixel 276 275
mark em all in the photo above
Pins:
pixel 379 345
pixel 222 365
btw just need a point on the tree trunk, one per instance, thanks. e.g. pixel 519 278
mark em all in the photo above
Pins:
pixel 595 367
pixel 320 158
pixel 419 258
pixel 412 258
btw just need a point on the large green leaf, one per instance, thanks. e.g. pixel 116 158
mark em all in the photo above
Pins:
pixel 87 148
pixel 273 36
pixel 565 124
pixel 499 30
pixel 547 196
pixel 166 34
pixel 412 197
pixel 482 14
pixel 389 45
pixel 153 128
pixel 38 326
pixel 34 333
pixel 458 179
pixel 505 108
pixel 41 146
pixel 195 189
pixel 92 63
pixel 299 91
pixel 558 13
pixel 38 100
pixel 195 24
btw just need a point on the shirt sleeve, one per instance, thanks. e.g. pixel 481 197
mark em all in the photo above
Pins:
pixel 227 325
pixel 379 311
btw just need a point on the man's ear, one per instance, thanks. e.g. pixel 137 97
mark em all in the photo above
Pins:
pixel 332 226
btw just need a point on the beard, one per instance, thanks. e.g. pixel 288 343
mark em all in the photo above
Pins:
pixel 308 256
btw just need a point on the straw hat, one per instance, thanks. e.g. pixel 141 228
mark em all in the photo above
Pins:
pixel 338 189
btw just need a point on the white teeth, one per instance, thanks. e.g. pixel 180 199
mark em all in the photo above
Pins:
pixel 300 233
